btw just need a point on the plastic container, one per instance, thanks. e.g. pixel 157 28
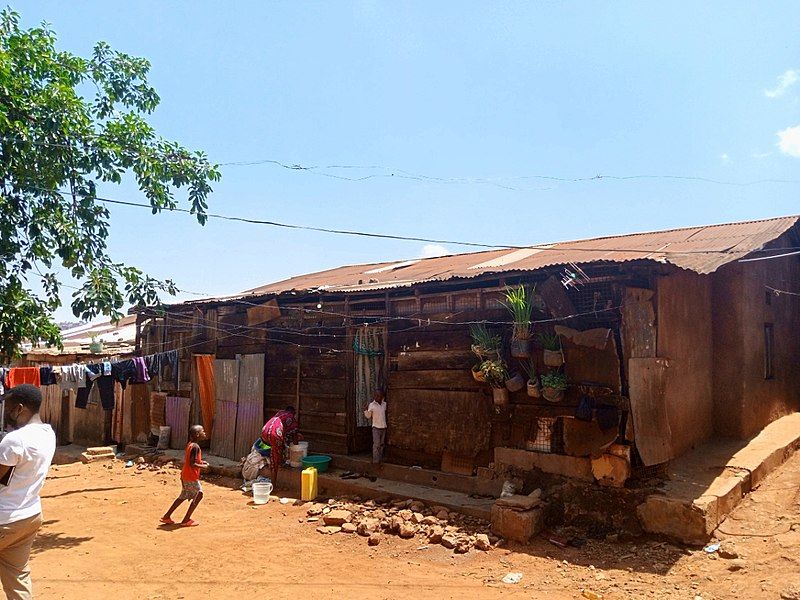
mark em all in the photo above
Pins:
pixel 318 461
pixel 297 452
pixel 261 492
pixel 163 437
pixel 308 480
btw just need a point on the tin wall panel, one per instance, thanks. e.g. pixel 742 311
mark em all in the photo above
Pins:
pixel 250 413
pixel 224 433
pixel 178 420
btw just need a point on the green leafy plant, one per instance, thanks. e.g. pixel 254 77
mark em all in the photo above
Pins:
pixel 494 372
pixel 484 342
pixel 519 303
pixel 529 368
pixel 69 125
pixel 549 341
pixel 554 380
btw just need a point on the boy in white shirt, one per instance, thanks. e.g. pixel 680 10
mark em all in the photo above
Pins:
pixel 25 456
pixel 376 411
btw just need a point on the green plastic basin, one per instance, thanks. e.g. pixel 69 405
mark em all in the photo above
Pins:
pixel 319 461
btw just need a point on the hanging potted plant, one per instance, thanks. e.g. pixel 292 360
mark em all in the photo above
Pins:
pixel 515 382
pixel 534 387
pixel 477 374
pixel 96 346
pixel 553 354
pixel 485 344
pixel 553 386
pixel 496 374
pixel 519 303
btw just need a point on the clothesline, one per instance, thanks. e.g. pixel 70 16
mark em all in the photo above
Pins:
pixel 80 377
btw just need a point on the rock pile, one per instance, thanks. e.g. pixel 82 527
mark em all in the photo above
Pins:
pixel 408 519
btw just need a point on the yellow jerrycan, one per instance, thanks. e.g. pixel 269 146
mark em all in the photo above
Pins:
pixel 309 484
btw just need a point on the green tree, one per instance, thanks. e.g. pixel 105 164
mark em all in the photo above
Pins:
pixel 67 125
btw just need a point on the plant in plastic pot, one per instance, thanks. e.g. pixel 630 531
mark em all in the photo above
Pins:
pixel 485 344
pixel 553 354
pixel 519 303
pixel 495 374
pixel 534 387
pixel 553 386
pixel 96 346
pixel 515 382
pixel 477 374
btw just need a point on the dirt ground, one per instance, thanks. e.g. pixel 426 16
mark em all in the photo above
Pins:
pixel 102 539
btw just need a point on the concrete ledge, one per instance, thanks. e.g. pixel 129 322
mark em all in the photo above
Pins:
pixel 557 464
pixel 709 482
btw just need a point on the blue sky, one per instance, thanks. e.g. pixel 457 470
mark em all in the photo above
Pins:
pixel 459 91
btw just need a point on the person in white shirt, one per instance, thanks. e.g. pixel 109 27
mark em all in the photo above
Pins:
pixel 376 411
pixel 25 456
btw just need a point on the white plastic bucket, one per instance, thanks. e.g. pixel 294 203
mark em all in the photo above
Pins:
pixel 261 492
pixel 297 452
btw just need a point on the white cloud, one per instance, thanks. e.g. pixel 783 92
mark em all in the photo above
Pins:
pixel 761 155
pixel 725 158
pixel 789 141
pixel 433 250
pixel 785 81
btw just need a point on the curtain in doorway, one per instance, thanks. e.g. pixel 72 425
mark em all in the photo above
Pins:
pixel 368 350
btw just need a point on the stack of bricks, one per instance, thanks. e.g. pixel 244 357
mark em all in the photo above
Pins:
pixel 97 454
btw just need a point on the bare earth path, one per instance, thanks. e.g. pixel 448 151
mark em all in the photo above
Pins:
pixel 101 540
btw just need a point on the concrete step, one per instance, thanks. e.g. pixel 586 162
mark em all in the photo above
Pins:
pixel 707 483
pixel 331 484
pixel 454 482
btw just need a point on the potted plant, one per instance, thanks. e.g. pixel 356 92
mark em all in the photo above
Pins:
pixel 485 344
pixel 553 354
pixel 96 346
pixel 495 374
pixel 553 386
pixel 477 373
pixel 519 303
pixel 534 387
pixel 515 382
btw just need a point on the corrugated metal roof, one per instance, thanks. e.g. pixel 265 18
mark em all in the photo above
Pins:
pixel 119 337
pixel 701 249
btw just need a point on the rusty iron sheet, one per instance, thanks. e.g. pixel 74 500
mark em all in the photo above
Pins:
pixel 224 432
pixel 178 420
pixel 226 380
pixel 701 249
pixel 250 405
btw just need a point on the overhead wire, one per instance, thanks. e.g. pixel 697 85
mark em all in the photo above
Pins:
pixel 559 247
pixel 398 173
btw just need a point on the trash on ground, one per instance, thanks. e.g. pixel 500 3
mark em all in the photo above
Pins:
pixel 512 578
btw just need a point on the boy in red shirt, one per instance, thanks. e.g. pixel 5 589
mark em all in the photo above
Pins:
pixel 190 478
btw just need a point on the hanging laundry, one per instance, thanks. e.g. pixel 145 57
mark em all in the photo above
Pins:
pixel 105 386
pixel 207 388
pixel 19 375
pixel 3 380
pixel 124 371
pixel 47 376
pixel 73 377
pixel 157 364
pixel 106 367
pixel 142 376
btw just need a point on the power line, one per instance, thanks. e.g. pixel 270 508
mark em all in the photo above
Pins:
pixel 561 247
pixel 397 173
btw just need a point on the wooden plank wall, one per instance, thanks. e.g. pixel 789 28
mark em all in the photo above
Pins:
pixel 308 369
pixel 435 407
